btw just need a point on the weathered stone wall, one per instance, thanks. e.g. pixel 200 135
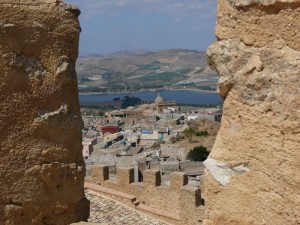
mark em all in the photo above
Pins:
pixel 41 165
pixel 178 199
pixel 253 173
pixel 150 191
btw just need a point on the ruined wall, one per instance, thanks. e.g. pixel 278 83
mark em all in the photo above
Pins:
pixel 253 173
pixel 41 166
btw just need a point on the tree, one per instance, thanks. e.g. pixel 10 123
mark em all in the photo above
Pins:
pixel 130 101
pixel 198 153
pixel 189 133
pixel 101 113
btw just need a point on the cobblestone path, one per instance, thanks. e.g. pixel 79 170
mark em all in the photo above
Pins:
pixel 107 211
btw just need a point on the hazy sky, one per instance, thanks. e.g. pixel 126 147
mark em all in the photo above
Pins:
pixel 113 25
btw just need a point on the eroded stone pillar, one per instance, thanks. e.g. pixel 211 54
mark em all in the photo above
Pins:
pixel 253 172
pixel 41 165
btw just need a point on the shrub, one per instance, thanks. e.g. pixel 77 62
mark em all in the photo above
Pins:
pixel 198 153
pixel 178 137
pixel 173 140
pixel 203 133
pixel 101 113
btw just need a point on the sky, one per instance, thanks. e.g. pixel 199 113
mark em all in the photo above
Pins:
pixel 109 26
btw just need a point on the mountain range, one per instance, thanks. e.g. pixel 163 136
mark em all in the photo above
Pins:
pixel 129 71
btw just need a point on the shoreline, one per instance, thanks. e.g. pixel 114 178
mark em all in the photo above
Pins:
pixel 148 90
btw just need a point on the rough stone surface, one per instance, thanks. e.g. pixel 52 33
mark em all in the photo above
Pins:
pixel 41 165
pixel 259 25
pixel 242 3
pixel 258 58
pixel 222 172
pixel 107 211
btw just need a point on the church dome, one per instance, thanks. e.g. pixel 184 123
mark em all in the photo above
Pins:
pixel 158 100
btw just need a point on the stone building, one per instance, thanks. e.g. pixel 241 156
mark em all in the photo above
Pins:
pixel 160 104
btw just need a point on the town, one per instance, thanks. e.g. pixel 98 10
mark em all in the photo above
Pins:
pixel 146 136
pixel 157 137
pixel 158 145
pixel 145 122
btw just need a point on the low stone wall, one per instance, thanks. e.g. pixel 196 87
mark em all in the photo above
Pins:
pixel 179 199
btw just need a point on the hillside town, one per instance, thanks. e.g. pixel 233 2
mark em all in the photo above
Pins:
pixel 147 137
pixel 139 160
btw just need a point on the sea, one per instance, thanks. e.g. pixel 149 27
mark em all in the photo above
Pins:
pixel 193 97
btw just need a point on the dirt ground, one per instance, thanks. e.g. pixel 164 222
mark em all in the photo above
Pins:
pixel 208 142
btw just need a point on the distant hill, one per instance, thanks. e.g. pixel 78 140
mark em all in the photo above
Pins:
pixel 143 70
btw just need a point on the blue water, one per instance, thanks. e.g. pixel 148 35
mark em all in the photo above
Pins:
pixel 180 96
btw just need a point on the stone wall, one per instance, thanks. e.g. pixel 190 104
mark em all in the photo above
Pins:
pixel 41 166
pixel 252 174
pixel 178 199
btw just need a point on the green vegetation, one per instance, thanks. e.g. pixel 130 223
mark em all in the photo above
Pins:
pixel 189 133
pixel 128 71
pixel 177 138
pixel 114 86
pixel 159 80
pixel 93 89
pixel 101 113
pixel 203 133
pixel 131 101
pixel 207 88
pixel 161 77
pixel 155 65
pixel 198 153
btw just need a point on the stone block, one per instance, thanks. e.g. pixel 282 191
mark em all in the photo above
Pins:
pixel 125 176
pixel 178 180
pixel 100 173
pixel 152 178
